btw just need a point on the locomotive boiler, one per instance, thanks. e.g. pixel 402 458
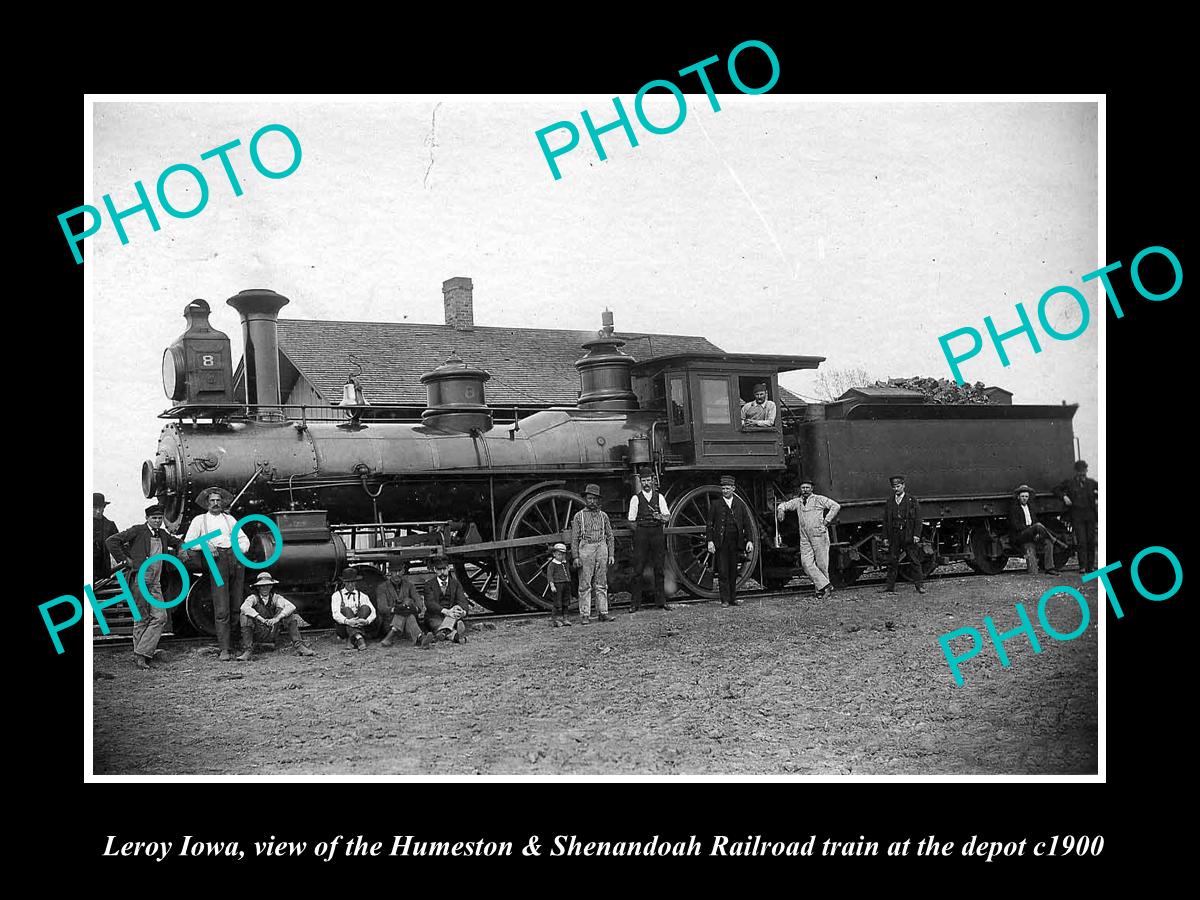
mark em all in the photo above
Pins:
pixel 370 489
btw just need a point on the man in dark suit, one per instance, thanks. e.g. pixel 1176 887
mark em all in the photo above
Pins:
pixel 729 531
pixel 130 548
pixel 902 530
pixel 400 606
pixel 1026 531
pixel 102 529
pixel 1082 497
pixel 445 604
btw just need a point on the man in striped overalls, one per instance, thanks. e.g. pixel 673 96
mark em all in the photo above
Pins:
pixel 592 549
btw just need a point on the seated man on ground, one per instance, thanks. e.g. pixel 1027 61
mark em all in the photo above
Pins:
pixel 266 615
pixel 400 606
pixel 445 604
pixel 352 610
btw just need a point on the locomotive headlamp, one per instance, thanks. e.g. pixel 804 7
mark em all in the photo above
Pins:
pixel 174 374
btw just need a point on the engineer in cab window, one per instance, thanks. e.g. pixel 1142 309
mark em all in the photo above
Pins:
pixel 759 412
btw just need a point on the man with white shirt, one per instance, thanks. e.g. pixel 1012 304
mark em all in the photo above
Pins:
pixel 815 514
pixel 352 610
pixel 649 513
pixel 1027 531
pixel 729 530
pixel 214 502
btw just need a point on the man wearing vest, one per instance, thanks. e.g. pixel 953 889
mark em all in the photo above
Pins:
pixel 265 615
pixel 214 502
pixel 649 513
pixel 132 547
pixel 352 610
pixel 728 530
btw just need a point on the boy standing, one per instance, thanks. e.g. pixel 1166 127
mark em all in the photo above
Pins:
pixel 559 577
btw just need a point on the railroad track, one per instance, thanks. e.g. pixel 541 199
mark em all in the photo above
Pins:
pixel 874 580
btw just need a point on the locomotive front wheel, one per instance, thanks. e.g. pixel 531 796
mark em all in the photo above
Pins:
pixel 688 554
pixel 545 515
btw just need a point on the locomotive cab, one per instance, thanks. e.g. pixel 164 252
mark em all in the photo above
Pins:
pixel 701 396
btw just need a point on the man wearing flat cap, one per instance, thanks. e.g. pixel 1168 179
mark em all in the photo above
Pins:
pixel 592 549
pixel 102 529
pixel 1082 497
pixel 131 548
pixel 649 513
pixel 815 513
pixel 266 615
pixel 759 412
pixel 215 501
pixel 902 530
pixel 352 610
pixel 1027 531
pixel 729 531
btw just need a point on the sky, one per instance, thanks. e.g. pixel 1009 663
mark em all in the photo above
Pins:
pixel 855 231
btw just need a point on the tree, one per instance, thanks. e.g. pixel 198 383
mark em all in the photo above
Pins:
pixel 832 383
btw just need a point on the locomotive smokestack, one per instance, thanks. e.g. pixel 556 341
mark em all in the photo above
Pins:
pixel 259 310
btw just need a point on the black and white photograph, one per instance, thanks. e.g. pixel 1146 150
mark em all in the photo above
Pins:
pixel 525 436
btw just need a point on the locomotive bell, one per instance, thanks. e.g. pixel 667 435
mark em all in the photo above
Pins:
pixel 454 397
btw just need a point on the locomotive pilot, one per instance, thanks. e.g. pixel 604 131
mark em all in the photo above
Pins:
pixel 400 606
pixel 815 514
pixel 352 610
pixel 131 548
pixel 728 527
pixel 1081 495
pixel 902 530
pixel 649 513
pixel 214 502
pixel 445 604
pixel 593 551
pixel 265 615
pixel 759 412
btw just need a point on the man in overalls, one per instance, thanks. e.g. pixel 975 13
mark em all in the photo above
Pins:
pixel 815 513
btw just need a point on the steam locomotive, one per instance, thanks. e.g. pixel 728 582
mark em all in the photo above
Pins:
pixel 371 489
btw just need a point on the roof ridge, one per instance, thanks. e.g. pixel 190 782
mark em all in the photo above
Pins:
pixel 633 334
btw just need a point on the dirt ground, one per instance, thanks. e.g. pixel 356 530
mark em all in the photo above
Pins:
pixel 857 684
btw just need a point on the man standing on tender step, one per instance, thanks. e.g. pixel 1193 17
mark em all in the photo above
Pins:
pixel 902 530
pixel 815 514
pixel 214 502
pixel 592 549
pixel 266 615
pixel 649 513
pixel 131 548
pixel 102 529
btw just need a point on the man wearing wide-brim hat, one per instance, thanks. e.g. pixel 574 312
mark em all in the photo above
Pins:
pixel 215 501
pixel 266 615
pixel 1026 531
pixel 102 529
pixel 592 548
pixel 352 610
pixel 130 548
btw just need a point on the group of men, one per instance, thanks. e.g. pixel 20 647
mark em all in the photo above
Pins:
pixel 438 610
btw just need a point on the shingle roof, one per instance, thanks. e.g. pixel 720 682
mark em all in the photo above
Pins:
pixel 527 365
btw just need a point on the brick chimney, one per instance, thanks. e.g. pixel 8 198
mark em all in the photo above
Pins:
pixel 460 311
